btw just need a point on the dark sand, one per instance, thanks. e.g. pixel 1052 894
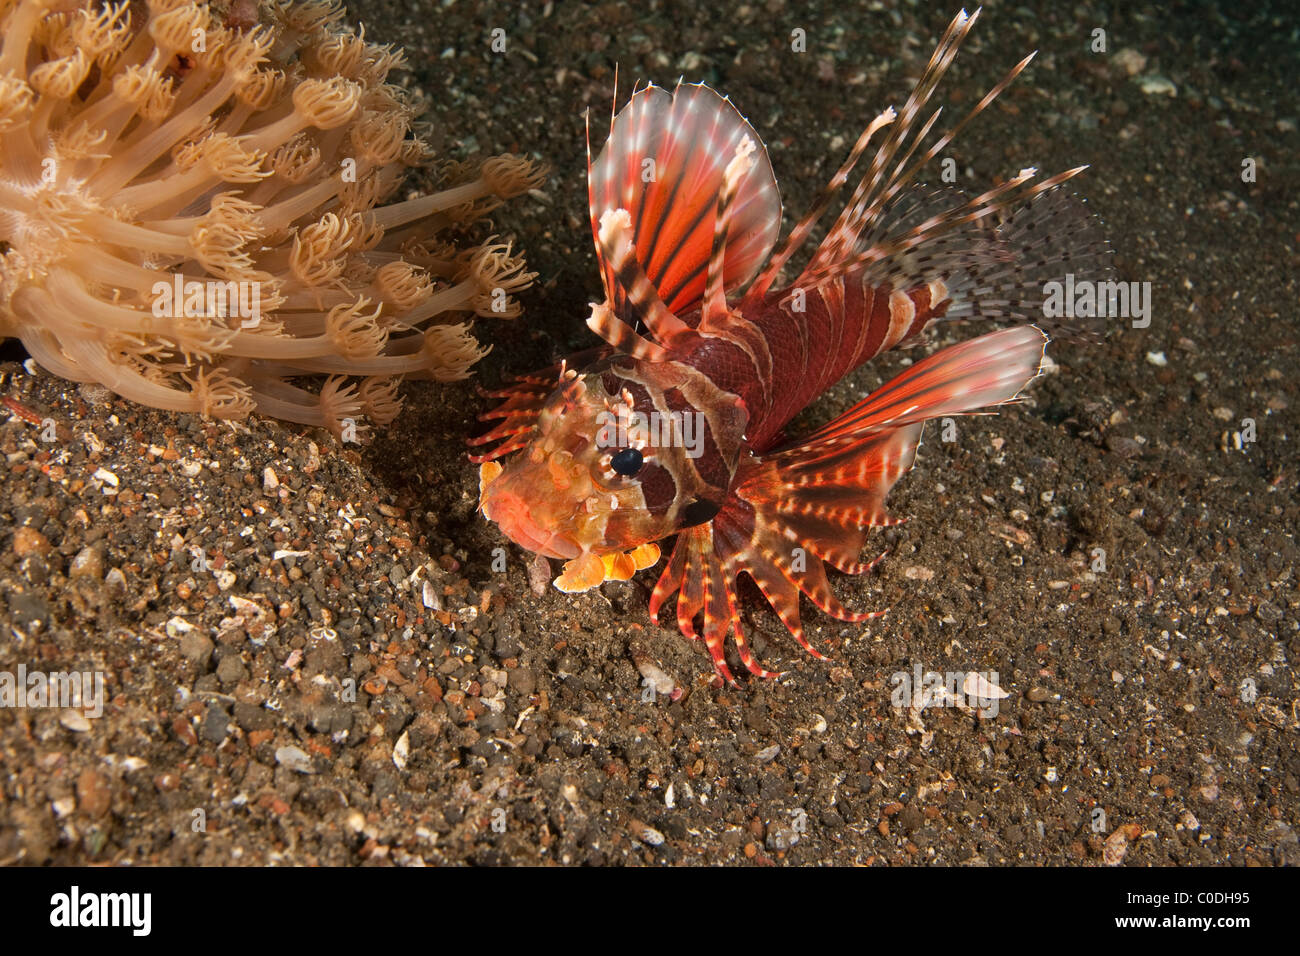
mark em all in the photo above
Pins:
pixel 1130 730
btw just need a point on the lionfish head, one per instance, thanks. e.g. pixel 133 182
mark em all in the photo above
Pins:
pixel 622 455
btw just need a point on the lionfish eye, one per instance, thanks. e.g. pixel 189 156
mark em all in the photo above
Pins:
pixel 627 462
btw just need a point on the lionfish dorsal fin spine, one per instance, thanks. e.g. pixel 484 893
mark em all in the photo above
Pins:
pixel 665 164
pixel 799 234
pixel 891 169
pixel 715 295
pixel 852 241
pixel 631 286
pixel 605 323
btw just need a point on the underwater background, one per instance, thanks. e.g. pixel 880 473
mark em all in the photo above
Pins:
pixel 1151 714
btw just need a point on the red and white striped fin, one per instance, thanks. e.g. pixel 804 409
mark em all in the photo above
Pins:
pixel 797 510
pixel 518 411
pixel 665 163
pixel 962 379
pixel 781 528
pixel 877 240
pixel 641 305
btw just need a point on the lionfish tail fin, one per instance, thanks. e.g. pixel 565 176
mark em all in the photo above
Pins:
pixel 813 504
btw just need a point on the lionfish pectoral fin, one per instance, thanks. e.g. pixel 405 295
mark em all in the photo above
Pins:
pixel 812 504
pixel 588 570
pixel 665 164
pixel 581 574
pixel 1046 241
pixel 962 379
pixel 780 535
pixel 516 414
pixel 521 403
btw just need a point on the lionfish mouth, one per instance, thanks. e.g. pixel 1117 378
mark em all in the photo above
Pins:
pixel 518 519
pixel 583 569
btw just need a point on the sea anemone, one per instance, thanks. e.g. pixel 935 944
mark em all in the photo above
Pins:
pixel 191 211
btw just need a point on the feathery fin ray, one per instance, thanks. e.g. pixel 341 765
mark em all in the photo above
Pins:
pixel 665 163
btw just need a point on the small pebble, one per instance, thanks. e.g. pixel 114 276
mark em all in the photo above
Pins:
pixel 93 794
pixel 646 833
pixel 539 574
pixel 89 563
pixel 1154 85
pixel 294 758
pixel 75 721
pixel 1130 61
pixel 215 724
pixel 29 541
pixel 429 596
pixel 197 647
pixel 1116 846
pixel 177 627
pixel 653 676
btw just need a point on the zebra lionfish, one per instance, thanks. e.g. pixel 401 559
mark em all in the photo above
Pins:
pixel 705 349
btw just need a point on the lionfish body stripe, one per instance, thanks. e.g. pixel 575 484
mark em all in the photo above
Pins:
pixel 676 425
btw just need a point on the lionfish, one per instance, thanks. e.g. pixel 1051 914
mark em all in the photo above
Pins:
pixel 676 425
